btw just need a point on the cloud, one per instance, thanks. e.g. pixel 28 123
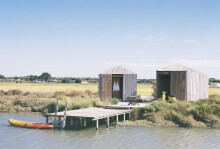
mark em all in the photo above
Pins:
pixel 150 37
pixel 189 41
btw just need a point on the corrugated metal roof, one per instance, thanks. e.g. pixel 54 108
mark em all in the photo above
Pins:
pixel 118 70
pixel 177 67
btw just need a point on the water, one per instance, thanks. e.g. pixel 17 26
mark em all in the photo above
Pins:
pixel 114 137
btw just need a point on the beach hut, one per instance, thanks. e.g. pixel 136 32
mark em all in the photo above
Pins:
pixel 117 82
pixel 182 82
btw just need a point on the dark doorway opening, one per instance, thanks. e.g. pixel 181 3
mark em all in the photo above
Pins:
pixel 117 86
pixel 164 85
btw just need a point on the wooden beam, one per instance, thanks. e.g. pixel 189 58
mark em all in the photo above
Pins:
pixel 47 119
pixel 55 117
pixel 71 122
pixel 59 122
pixel 97 124
pixel 84 123
pixel 80 122
pixel 107 122
pixel 64 121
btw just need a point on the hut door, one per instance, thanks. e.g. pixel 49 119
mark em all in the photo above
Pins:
pixel 117 86
pixel 164 84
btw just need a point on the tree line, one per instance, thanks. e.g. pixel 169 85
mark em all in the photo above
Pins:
pixel 47 77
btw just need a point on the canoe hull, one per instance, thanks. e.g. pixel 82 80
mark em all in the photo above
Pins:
pixel 29 124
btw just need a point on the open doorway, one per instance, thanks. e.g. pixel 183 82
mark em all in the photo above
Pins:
pixel 117 86
pixel 164 84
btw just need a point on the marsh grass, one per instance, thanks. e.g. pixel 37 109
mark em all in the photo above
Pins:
pixel 202 113
pixel 18 101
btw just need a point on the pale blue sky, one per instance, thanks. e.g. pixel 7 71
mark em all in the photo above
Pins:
pixel 84 37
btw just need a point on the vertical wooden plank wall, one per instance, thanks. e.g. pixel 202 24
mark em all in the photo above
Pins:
pixel 99 86
pixel 197 86
pixel 105 86
pixel 178 84
pixel 157 84
pixel 129 86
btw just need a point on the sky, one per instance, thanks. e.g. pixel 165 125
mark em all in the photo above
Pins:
pixel 81 38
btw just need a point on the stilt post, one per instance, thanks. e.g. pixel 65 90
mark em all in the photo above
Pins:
pixel 84 122
pixel 55 118
pixel 47 119
pixel 71 122
pixel 107 122
pixel 124 117
pixel 97 124
pixel 117 119
pixel 80 122
pixel 64 120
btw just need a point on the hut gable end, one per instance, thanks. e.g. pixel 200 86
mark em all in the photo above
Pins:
pixel 117 82
pixel 182 82
pixel 118 70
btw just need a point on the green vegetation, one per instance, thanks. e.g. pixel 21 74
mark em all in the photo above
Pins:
pixel 214 80
pixel 19 101
pixel 45 77
pixel 202 113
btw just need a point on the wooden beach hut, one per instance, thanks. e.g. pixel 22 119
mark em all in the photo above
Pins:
pixel 182 82
pixel 117 82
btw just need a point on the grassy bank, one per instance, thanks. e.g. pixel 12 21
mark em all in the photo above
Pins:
pixel 142 89
pixel 20 101
pixel 200 114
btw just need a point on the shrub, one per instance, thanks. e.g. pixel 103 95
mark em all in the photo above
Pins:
pixel 16 92
pixel 137 113
pixel 114 101
pixel 66 80
pixel 73 93
pixel 58 93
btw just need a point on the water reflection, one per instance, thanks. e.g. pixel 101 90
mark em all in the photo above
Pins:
pixel 112 137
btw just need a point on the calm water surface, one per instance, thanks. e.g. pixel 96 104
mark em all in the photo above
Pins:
pixel 114 137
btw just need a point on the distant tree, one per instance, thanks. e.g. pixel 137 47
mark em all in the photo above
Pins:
pixel 2 77
pixel 45 76
pixel 66 80
pixel 78 81
pixel 33 77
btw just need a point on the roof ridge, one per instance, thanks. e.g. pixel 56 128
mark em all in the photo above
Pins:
pixel 118 70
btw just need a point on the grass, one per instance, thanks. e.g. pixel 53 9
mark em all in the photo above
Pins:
pixel 142 89
pixel 49 87
pixel 21 101
pixel 199 114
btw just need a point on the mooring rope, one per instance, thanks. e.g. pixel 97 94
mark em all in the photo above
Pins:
pixel 15 137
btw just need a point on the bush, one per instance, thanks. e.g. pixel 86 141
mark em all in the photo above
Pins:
pixel 114 101
pixel 66 80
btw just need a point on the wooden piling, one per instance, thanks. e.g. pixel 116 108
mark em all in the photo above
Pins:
pixel 80 122
pixel 97 124
pixel 107 122
pixel 84 123
pixel 124 117
pixel 47 119
pixel 64 121
pixel 71 122
pixel 116 118
pixel 55 117
pixel 59 122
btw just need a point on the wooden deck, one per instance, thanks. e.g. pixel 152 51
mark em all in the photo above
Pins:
pixel 84 115
pixel 93 113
